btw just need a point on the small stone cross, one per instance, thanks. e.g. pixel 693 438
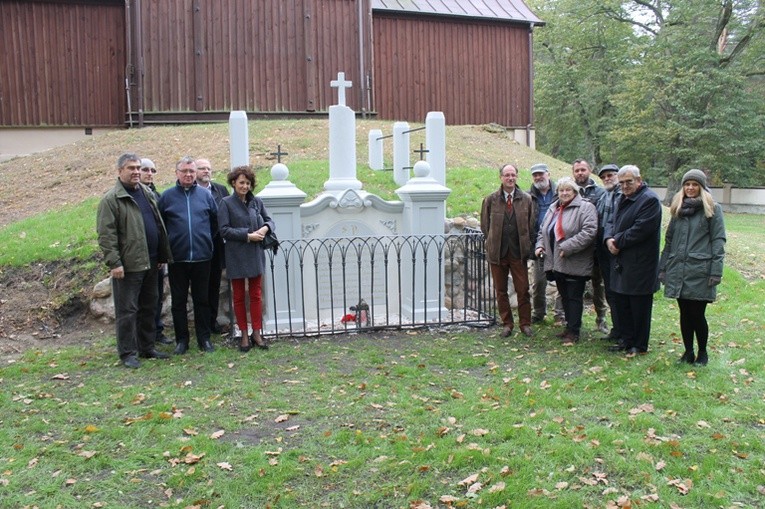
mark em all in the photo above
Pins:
pixel 421 151
pixel 279 154
pixel 340 84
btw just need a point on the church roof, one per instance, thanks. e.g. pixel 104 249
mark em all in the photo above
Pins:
pixel 507 10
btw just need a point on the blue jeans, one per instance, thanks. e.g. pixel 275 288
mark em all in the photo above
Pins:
pixel 135 301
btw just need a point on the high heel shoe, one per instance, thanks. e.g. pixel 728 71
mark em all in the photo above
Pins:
pixel 257 340
pixel 245 348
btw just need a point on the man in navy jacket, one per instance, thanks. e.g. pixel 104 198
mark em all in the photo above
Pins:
pixel 190 215
pixel 632 236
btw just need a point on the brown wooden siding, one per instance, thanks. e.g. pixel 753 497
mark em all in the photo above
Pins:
pixel 61 64
pixel 475 72
pixel 275 56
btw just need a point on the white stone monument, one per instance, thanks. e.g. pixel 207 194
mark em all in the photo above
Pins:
pixel 239 144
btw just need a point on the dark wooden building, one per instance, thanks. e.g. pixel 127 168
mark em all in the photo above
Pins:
pixel 91 63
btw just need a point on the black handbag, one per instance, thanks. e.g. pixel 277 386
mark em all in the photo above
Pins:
pixel 270 241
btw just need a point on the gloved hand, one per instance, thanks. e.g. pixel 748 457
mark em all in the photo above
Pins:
pixel 662 276
pixel 714 280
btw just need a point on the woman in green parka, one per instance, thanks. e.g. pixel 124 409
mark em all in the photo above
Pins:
pixel 691 263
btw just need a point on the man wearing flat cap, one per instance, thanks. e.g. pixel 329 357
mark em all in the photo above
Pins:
pixel 605 208
pixel 543 193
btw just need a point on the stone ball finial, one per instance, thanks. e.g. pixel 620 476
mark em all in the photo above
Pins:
pixel 421 169
pixel 279 171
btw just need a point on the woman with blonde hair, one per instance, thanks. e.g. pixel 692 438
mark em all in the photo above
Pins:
pixel 691 263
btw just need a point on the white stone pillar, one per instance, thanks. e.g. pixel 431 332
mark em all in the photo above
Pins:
pixel 376 149
pixel 282 200
pixel 342 150
pixel 435 142
pixel 239 139
pixel 424 214
pixel 401 153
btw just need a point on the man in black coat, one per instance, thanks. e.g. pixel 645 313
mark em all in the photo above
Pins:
pixel 204 179
pixel 632 236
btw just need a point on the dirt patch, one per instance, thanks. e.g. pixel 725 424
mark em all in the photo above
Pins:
pixel 45 305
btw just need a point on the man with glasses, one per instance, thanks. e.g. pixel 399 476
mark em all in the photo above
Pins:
pixel 204 179
pixel 605 208
pixel 133 239
pixel 148 171
pixel 543 192
pixel 191 216
pixel 632 236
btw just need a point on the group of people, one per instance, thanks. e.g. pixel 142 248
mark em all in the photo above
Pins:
pixel 576 231
pixel 192 230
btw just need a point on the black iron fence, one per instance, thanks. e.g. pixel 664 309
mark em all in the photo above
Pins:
pixel 344 284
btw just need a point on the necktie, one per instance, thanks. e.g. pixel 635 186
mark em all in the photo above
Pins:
pixel 509 204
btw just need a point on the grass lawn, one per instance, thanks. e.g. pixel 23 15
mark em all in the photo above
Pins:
pixel 458 418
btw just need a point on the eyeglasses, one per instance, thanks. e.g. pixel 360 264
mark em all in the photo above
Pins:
pixel 187 171
pixel 627 182
pixel 203 168
pixel 146 170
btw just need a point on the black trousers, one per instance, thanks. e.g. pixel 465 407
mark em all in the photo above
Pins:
pixel 197 276
pixel 160 325
pixel 135 300
pixel 571 290
pixel 635 316
pixel 605 260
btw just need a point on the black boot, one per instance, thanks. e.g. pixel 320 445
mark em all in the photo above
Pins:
pixel 702 359
pixel 688 357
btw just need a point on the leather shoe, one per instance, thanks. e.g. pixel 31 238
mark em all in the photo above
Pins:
pixel 702 359
pixel 153 354
pixel 618 347
pixel 131 361
pixel 207 347
pixel 570 338
pixel 688 357
pixel 164 340
pixel 537 319
pixel 527 331
pixel 562 334
pixel 506 331
pixel 257 340
pixel 181 348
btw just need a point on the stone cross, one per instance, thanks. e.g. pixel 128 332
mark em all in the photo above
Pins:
pixel 279 153
pixel 340 84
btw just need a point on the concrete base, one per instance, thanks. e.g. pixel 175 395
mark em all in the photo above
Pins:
pixel 22 141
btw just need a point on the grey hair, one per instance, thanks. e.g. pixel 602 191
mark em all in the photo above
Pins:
pixel 506 165
pixel 629 168
pixel 568 182
pixel 185 160
pixel 127 156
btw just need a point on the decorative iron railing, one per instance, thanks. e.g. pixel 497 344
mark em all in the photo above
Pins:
pixel 343 284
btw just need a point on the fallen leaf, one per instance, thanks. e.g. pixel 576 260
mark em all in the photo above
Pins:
pixel 468 480
pixel 448 499
pixel 475 487
pixel 293 428
pixel 60 376
pixel 480 432
pixel 500 486
pixel 660 465
pixel 87 454
pixel 561 485
pixel 217 434
pixel 225 465
pixel 70 482
pixel 282 418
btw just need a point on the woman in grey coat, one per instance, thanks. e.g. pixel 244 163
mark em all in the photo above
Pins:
pixel 691 263
pixel 566 241
pixel 244 222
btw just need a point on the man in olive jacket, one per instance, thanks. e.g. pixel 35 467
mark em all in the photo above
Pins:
pixel 508 220
pixel 134 242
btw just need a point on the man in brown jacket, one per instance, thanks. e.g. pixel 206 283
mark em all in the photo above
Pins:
pixel 507 222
